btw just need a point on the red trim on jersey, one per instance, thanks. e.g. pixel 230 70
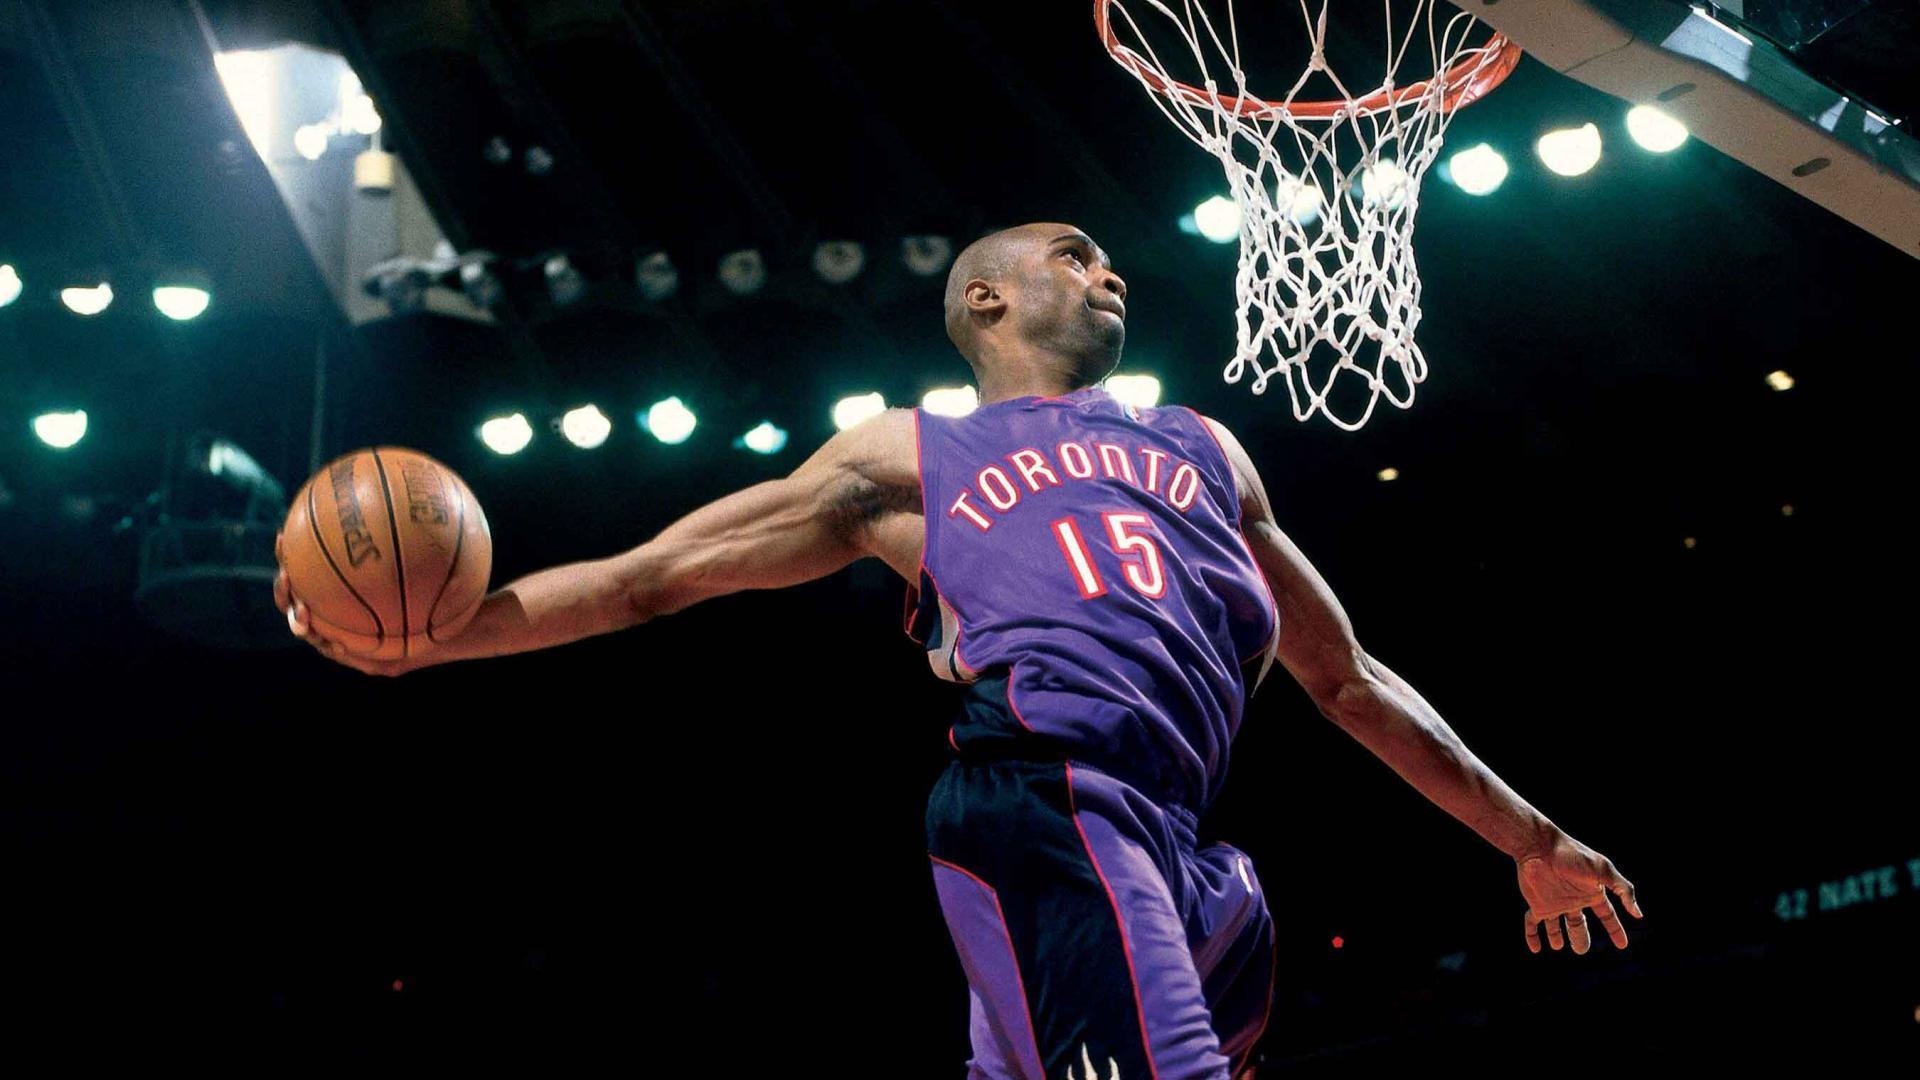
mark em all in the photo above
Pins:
pixel 1272 603
pixel 1125 946
pixel 1239 524
pixel 926 523
pixel 1273 974
pixel 950 742
pixel 959 620
pixel 1231 475
pixel 1018 981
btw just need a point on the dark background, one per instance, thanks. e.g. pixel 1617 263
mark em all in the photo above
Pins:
pixel 701 840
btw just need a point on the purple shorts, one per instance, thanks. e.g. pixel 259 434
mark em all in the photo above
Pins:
pixel 1092 932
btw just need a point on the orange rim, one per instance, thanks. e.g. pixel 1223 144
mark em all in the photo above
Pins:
pixel 1470 80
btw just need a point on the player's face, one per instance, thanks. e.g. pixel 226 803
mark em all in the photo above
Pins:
pixel 1073 303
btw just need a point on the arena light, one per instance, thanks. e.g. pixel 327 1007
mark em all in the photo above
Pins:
pixel 352 108
pixel 1218 219
pixel 507 434
pixel 1655 130
pixel 9 284
pixel 670 420
pixel 61 430
pixel 849 411
pixel 656 276
pixel 1570 151
pixel 586 427
pixel 181 302
pixel 1388 475
pixel 564 283
pixel 926 256
pixel 182 294
pixel 1303 199
pixel 90 300
pixel 1780 380
pixel 839 261
pixel 311 140
pixel 360 116
pixel 1477 170
pixel 1139 391
pixel 479 282
pixel 764 438
pixel 1384 184
pixel 950 400
pixel 743 272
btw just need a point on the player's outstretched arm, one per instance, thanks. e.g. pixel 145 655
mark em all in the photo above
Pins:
pixel 782 532
pixel 1558 874
pixel 777 533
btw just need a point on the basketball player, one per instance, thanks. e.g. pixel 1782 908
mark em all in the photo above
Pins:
pixel 1109 583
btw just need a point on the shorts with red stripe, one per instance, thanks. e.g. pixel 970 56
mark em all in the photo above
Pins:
pixel 1097 941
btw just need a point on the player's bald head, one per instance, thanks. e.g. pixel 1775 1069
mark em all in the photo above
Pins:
pixel 991 259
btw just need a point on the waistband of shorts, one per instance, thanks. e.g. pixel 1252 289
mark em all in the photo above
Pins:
pixel 1184 822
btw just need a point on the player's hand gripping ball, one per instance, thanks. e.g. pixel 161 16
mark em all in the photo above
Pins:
pixel 384 555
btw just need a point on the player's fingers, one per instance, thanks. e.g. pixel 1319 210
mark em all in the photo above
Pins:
pixel 300 618
pixel 1577 934
pixel 1625 889
pixel 281 593
pixel 1556 938
pixel 1610 921
pixel 1527 925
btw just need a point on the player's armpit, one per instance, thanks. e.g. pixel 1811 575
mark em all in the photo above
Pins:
pixel 780 532
pixel 1316 643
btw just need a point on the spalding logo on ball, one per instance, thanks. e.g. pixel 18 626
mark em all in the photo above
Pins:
pixel 389 551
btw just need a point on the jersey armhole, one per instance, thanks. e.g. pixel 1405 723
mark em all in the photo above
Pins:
pixel 1233 474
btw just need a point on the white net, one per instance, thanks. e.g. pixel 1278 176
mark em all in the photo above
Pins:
pixel 1327 190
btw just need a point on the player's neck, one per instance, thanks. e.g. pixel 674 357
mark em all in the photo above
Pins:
pixel 1022 380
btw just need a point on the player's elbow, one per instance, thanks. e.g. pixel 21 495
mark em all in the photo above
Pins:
pixel 1348 689
pixel 642 586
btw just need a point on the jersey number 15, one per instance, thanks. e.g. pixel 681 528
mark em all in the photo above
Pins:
pixel 1126 533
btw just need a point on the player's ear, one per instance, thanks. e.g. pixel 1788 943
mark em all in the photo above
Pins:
pixel 983 297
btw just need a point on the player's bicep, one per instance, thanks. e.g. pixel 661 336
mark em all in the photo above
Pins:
pixel 1317 644
pixel 772 535
pixel 1316 639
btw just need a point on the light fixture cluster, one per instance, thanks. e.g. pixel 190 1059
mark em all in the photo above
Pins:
pixel 403 283
pixel 671 421
pixel 178 294
pixel 1476 170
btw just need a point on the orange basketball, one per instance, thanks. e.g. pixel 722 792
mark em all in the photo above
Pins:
pixel 389 551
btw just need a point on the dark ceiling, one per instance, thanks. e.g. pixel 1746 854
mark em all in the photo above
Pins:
pixel 1729 713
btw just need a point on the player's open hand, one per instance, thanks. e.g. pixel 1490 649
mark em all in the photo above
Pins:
pixel 1565 879
pixel 302 627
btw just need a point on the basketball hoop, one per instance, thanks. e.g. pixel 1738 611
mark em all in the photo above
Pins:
pixel 1326 225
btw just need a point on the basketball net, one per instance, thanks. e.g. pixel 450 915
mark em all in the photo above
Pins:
pixel 1327 190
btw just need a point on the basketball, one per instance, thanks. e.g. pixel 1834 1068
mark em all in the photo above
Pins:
pixel 389 551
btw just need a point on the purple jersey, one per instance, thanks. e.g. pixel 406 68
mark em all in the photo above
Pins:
pixel 1085 572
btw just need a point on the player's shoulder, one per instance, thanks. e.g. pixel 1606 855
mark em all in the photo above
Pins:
pixel 883 447
pixel 1245 476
